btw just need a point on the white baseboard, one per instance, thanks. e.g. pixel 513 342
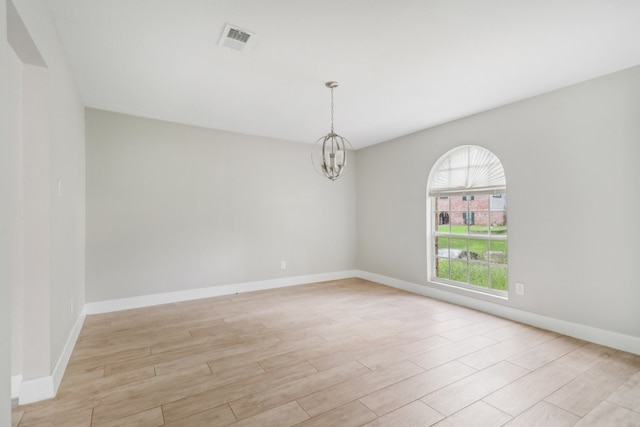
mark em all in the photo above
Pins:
pixel 588 333
pixel 63 360
pixel 34 390
pixel 16 380
pixel 213 291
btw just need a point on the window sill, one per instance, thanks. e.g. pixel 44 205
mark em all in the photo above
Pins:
pixel 470 289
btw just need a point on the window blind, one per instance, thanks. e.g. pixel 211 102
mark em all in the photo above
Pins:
pixel 468 170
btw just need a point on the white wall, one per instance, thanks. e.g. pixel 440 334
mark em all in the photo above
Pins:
pixel 173 207
pixel 570 159
pixel 52 145
pixel 7 185
pixel 16 209
pixel 36 286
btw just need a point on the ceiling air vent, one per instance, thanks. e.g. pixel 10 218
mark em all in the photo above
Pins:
pixel 235 38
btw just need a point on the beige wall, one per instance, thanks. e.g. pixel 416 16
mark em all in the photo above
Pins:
pixel 562 152
pixel 173 207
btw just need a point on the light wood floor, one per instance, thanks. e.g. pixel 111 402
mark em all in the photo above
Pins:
pixel 343 353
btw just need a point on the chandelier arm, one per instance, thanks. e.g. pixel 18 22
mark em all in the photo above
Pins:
pixel 327 169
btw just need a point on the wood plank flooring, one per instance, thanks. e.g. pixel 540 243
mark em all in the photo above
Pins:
pixel 341 353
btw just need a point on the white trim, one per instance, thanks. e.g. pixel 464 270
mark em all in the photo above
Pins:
pixel 63 360
pixel 42 388
pixel 36 389
pixel 213 291
pixel 16 380
pixel 588 333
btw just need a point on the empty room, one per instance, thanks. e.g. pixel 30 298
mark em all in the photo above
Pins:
pixel 320 213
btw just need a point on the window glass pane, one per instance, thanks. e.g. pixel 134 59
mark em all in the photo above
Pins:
pixel 457 245
pixel 498 202
pixel 498 206
pixel 459 228
pixel 499 277
pixel 458 271
pixel 442 203
pixel 443 221
pixel 442 245
pixel 445 228
pixel 497 252
pixel 478 215
pixel 497 230
pixel 459 207
pixel 442 268
pixel 479 228
pixel 477 249
pixel 479 274
pixel 469 218
pixel 479 202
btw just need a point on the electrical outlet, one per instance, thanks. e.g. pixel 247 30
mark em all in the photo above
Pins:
pixel 520 288
pixel 283 265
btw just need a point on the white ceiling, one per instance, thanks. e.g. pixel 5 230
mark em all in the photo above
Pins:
pixel 402 65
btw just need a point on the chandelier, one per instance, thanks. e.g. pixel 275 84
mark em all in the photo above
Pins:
pixel 329 153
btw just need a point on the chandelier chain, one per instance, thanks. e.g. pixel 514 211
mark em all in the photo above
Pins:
pixel 332 110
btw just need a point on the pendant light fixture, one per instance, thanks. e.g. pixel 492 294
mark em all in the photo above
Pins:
pixel 330 152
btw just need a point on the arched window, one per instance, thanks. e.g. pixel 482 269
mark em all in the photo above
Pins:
pixel 467 205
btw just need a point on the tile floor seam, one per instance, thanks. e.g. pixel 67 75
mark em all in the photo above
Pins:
pixel 564 409
pixel 498 409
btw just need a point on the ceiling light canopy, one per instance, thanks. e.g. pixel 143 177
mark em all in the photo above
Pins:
pixel 330 152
